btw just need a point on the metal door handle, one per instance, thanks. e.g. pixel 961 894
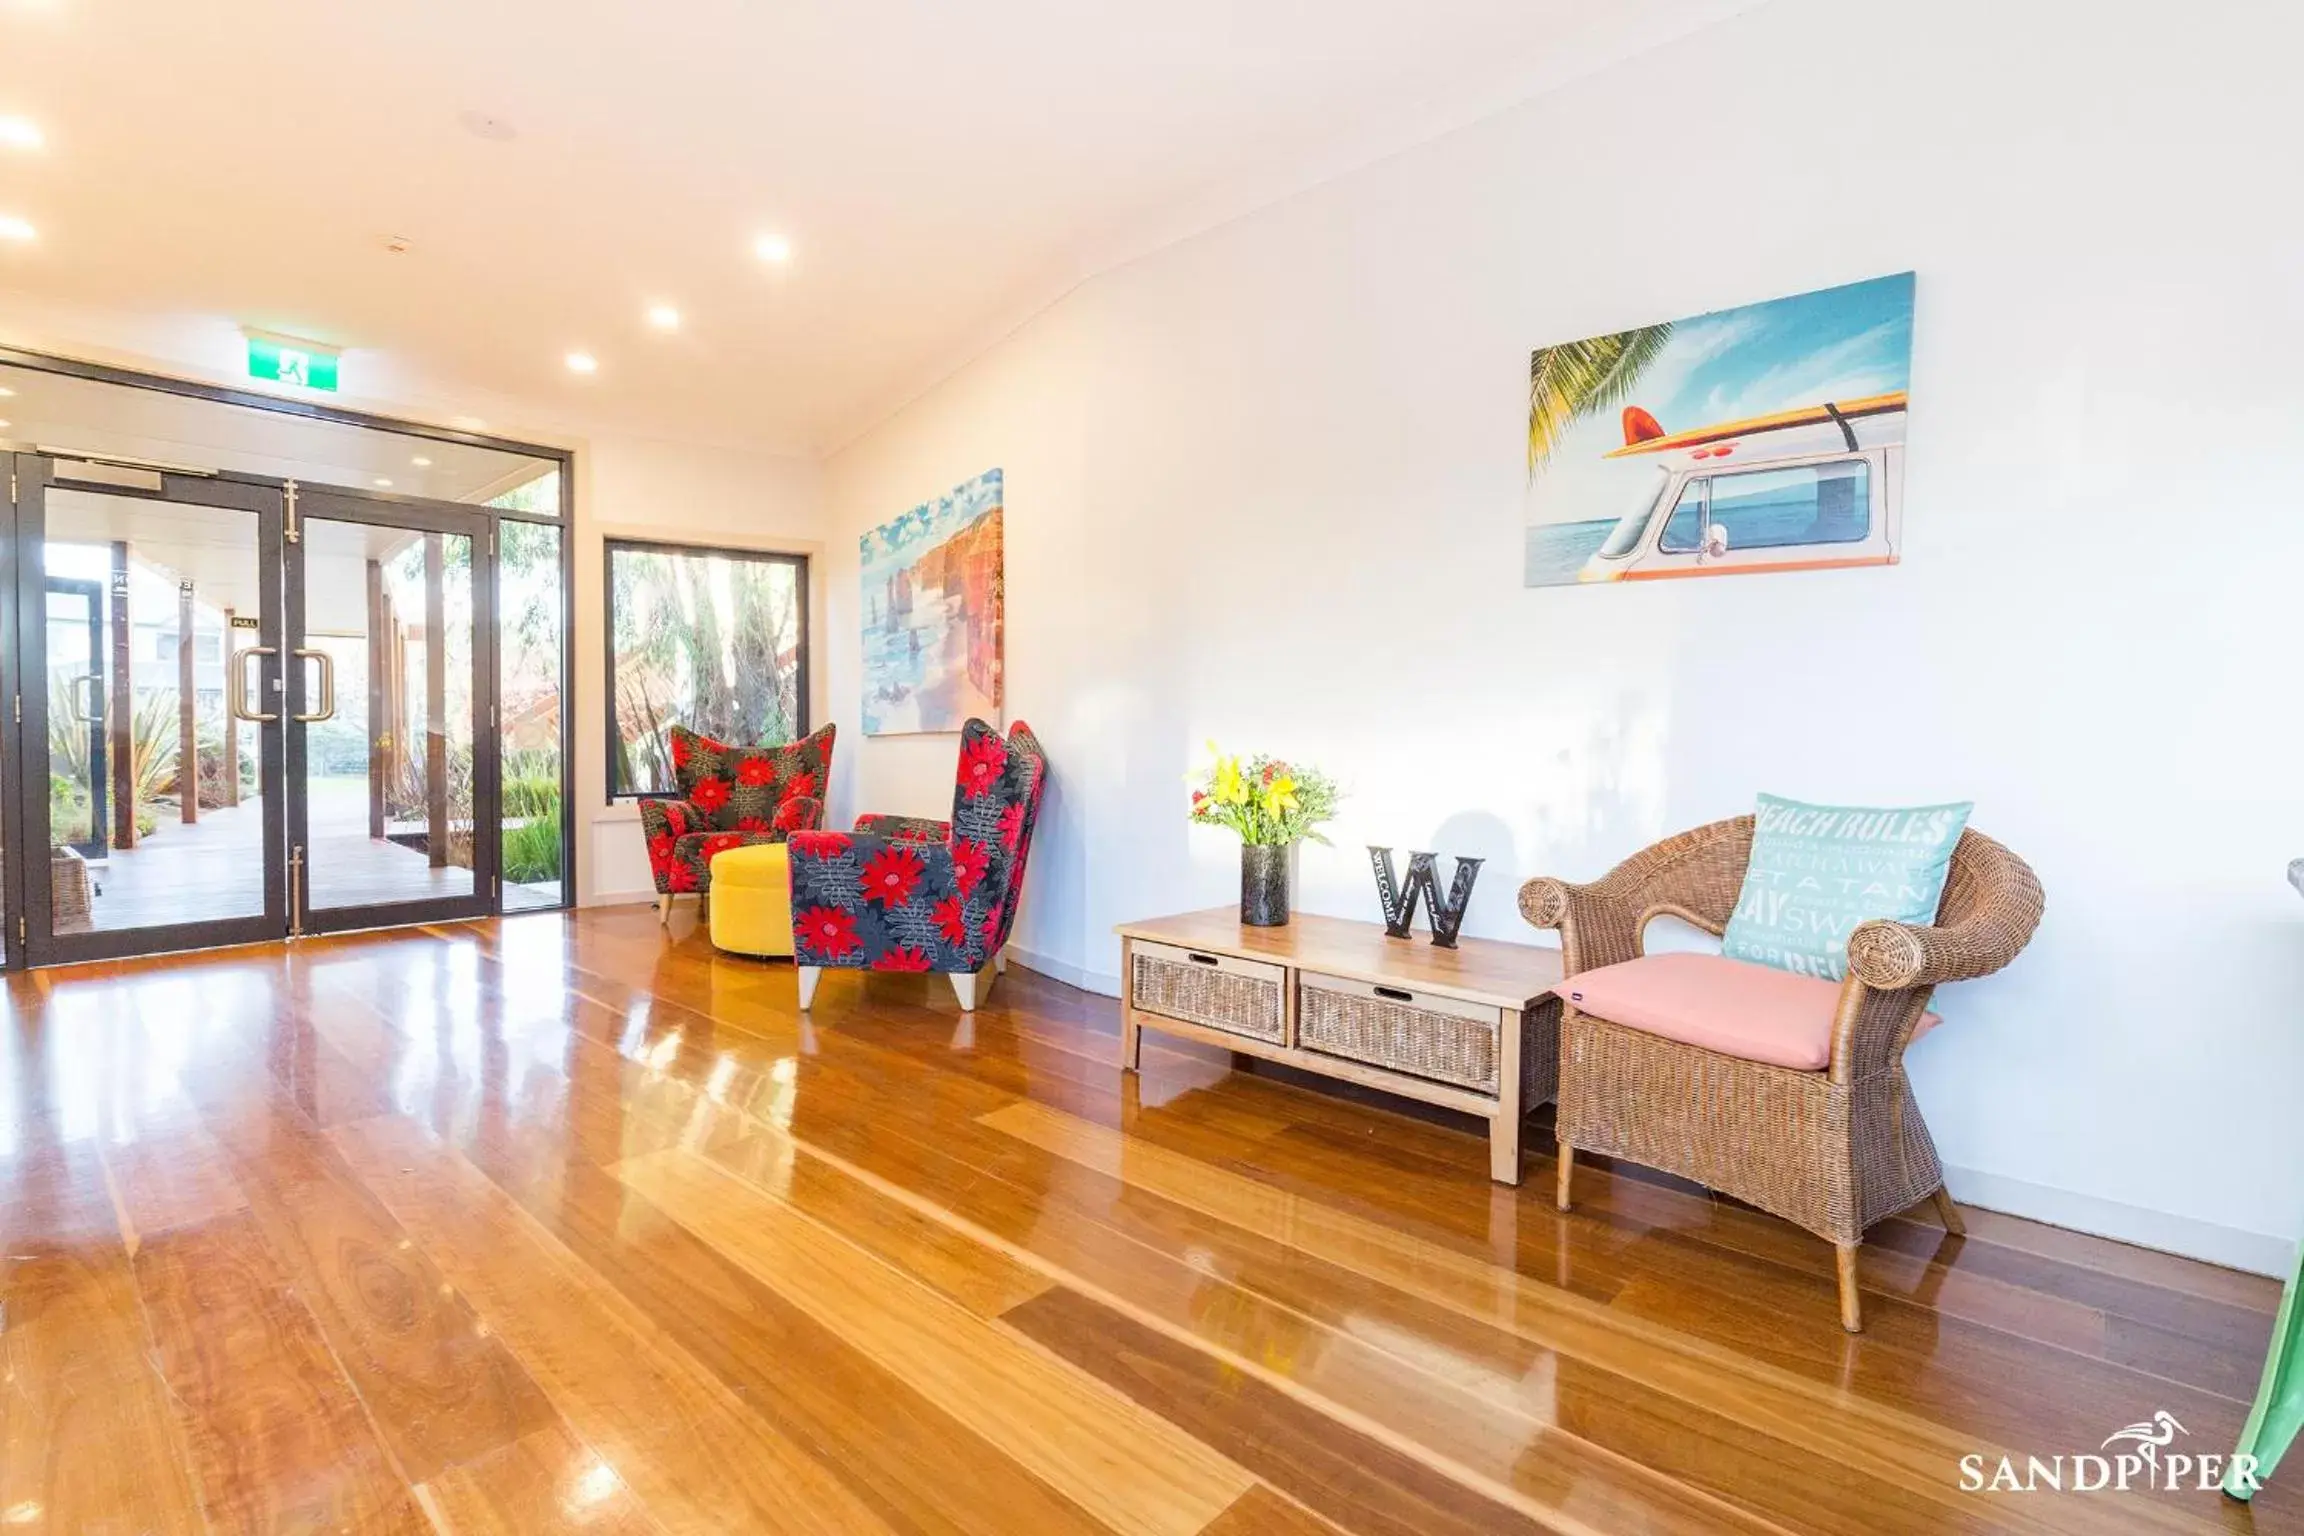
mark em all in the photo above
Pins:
pixel 327 709
pixel 238 675
pixel 76 703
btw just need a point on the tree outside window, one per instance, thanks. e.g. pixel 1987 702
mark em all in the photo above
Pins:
pixel 712 639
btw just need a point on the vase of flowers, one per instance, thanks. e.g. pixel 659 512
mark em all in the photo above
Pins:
pixel 1273 806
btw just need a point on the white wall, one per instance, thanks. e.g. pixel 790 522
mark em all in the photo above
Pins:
pixel 1265 486
pixel 681 493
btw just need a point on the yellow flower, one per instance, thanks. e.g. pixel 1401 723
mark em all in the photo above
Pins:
pixel 1229 786
pixel 1280 797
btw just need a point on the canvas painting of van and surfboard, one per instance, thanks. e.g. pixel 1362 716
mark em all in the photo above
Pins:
pixel 1764 438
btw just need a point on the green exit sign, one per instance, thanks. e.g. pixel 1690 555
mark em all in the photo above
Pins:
pixel 284 361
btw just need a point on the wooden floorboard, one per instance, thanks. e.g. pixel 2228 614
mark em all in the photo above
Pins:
pixel 1261 1512
pixel 90 1439
pixel 1293 1447
pixel 1369 1355
pixel 547 1484
pixel 279 1438
pixel 569 1223
pixel 1131 1469
pixel 684 1444
pixel 442 1389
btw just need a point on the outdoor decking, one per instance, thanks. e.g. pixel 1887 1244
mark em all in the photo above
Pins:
pixel 215 867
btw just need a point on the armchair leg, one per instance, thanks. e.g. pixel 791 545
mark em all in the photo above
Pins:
pixel 664 910
pixel 1949 1214
pixel 1851 1306
pixel 1000 961
pixel 964 988
pixel 1567 1172
pixel 809 975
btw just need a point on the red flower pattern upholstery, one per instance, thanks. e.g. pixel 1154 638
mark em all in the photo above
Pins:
pixel 731 797
pixel 886 897
pixel 911 829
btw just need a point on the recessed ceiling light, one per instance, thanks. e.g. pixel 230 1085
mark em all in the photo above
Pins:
pixel 583 362
pixel 421 462
pixel 383 484
pixel 4 424
pixel 487 125
pixel 14 228
pixel 20 133
pixel 6 393
pixel 664 317
pixel 773 248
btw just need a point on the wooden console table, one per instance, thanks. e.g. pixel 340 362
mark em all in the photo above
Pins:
pixel 1473 1028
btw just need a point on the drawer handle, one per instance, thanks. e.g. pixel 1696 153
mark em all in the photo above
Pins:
pixel 1396 994
pixel 1202 959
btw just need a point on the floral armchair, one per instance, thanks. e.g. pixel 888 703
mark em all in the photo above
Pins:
pixel 911 894
pixel 729 797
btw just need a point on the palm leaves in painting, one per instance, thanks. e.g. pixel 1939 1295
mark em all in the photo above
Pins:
pixel 1577 379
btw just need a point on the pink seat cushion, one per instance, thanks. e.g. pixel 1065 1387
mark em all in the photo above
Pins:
pixel 1755 1012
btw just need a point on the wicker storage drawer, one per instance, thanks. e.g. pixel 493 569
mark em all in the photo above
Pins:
pixel 1240 997
pixel 1441 1038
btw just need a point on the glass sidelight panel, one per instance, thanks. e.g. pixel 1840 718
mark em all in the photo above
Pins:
pixel 155 809
pixel 528 584
pixel 389 684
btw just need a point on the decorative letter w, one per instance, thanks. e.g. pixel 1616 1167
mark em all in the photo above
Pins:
pixel 1423 884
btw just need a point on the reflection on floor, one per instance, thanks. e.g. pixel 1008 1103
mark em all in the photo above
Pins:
pixel 215 867
pixel 570 1222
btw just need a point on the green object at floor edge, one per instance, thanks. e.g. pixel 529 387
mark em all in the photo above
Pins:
pixel 2279 1408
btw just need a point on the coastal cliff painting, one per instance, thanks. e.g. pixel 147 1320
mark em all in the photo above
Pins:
pixel 1764 438
pixel 932 613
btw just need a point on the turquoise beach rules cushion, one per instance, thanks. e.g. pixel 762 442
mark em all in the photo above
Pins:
pixel 1819 870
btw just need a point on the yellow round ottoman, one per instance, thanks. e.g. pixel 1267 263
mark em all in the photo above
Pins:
pixel 752 900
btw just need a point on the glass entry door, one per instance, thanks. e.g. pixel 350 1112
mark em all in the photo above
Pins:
pixel 391 770
pixel 148 633
pixel 247 711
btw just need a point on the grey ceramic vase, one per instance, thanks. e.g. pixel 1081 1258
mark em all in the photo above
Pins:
pixel 1264 885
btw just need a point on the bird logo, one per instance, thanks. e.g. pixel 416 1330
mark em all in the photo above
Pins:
pixel 2149 1435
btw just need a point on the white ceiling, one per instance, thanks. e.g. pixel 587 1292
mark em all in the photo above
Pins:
pixel 941 169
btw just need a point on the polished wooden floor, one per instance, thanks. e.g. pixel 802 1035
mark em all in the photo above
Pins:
pixel 565 1224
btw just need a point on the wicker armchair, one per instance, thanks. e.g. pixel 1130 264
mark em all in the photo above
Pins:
pixel 1833 1151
